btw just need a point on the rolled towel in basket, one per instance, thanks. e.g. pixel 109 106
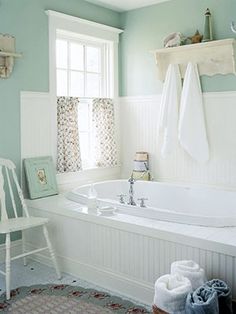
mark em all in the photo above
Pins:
pixel 171 292
pixel 202 301
pixel 191 270
pixel 224 295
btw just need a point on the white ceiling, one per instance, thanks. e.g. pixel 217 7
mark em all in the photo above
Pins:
pixel 125 5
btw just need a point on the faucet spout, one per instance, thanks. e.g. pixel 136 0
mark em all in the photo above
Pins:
pixel 131 191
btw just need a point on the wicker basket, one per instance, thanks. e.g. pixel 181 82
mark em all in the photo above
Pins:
pixel 156 310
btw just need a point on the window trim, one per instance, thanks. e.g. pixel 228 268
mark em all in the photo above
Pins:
pixel 87 29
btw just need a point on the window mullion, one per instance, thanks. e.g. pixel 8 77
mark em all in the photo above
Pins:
pixel 85 70
pixel 68 69
pixel 103 89
pixel 90 131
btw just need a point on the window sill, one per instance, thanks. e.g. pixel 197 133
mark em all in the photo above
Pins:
pixel 70 180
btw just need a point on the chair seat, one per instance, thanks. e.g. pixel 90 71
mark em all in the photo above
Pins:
pixel 21 223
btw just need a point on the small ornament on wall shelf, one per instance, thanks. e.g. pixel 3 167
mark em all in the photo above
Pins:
pixel 208 36
pixel 196 38
pixel 174 40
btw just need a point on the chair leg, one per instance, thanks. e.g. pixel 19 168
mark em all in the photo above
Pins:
pixel 52 252
pixel 24 247
pixel 8 265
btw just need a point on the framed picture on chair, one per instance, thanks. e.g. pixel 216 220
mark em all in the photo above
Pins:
pixel 40 176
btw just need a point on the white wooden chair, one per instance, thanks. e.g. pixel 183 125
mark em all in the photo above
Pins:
pixel 8 225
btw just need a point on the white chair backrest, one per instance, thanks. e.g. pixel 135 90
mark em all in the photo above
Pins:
pixel 8 178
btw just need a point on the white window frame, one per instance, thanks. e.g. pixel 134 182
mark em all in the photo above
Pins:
pixel 107 86
pixel 89 30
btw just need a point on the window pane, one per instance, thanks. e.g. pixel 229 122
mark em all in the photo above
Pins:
pixel 76 84
pixel 93 85
pixel 62 83
pixel 61 53
pixel 76 57
pixel 93 59
pixel 84 145
pixel 83 117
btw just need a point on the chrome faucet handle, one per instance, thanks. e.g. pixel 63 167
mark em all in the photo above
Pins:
pixel 121 198
pixel 142 201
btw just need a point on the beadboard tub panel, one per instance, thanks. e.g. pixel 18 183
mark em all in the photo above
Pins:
pixel 123 261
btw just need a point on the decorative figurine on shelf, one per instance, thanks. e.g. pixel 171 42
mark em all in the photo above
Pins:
pixel 208 27
pixel 173 40
pixel 196 38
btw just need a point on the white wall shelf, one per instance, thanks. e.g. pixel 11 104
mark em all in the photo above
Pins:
pixel 10 54
pixel 7 55
pixel 214 57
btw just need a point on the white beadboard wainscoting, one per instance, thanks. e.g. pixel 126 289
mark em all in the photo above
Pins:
pixel 127 254
pixel 139 132
pixel 39 138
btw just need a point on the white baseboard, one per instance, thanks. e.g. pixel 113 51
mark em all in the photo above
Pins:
pixel 117 283
pixel 16 249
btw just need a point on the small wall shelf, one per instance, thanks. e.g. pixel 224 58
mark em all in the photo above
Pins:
pixel 10 54
pixel 214 57
pixel 7 55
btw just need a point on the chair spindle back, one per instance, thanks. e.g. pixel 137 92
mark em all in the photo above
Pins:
pixel 7 170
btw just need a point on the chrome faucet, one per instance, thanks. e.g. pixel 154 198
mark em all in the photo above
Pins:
pixel 131 191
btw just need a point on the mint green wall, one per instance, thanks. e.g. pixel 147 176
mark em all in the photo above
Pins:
pixel 27 21
pixel 145 29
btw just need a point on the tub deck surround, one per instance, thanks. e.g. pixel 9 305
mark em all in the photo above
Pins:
pixel 221 240
pixel 169 202
pixel 126 254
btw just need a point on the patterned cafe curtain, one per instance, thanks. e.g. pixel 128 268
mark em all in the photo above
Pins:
pixel 104 132
pixel 68 148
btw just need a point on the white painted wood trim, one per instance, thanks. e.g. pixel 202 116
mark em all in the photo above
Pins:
pixel 83 21
pixel 30 95
pixel 116 283
pixel 157 97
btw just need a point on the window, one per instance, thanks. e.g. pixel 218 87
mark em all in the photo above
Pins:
pixel 83 69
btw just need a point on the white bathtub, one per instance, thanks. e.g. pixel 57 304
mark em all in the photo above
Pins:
pixel 168 202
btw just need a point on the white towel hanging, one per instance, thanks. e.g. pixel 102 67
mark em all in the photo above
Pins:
pixel 192 129
pixel 170 109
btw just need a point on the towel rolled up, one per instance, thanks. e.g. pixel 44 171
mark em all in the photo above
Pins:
pixel 224 295
pixel 202 301
pixel 171 292
pixel 191 270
